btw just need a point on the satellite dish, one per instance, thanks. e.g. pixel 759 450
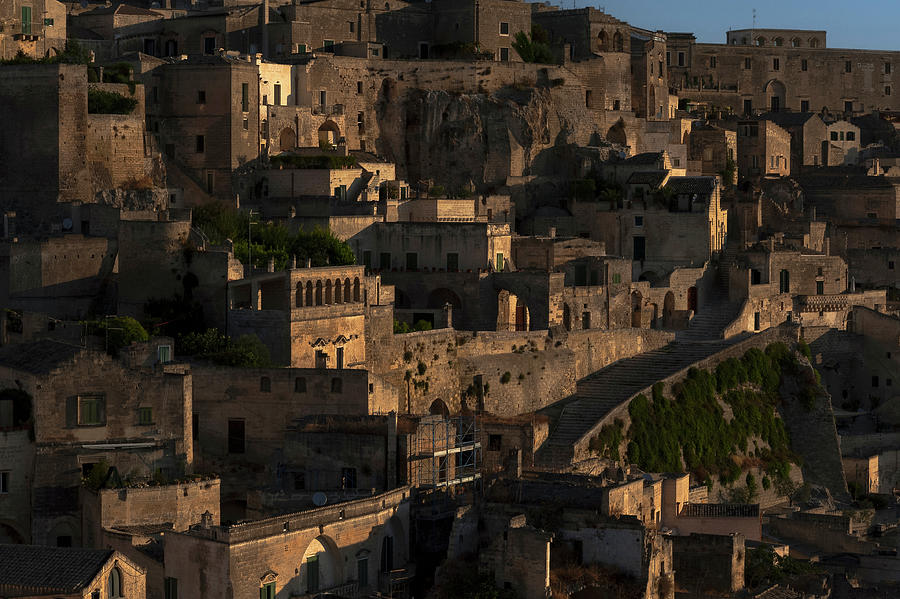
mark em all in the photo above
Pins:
pixel 319 498
pixel 67 224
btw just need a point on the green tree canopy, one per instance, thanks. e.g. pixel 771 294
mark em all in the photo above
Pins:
pixel 534 47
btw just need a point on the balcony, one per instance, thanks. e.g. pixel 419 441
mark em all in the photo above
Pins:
pixel 824 303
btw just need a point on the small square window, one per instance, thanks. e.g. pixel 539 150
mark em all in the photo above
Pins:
pixel 834 136
pixel 638 221
pixel 201 97
pixel 504 28
pixel 851 135
pixel 90 410
pixel 145 416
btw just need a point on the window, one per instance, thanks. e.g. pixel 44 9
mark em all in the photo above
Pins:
pixel 352 26
pixel 820 287
pixel 267 591
pixel 776 64
pixel 26 20
pixel 804 105
pixel 890 265
pixel 236 436
pixel 328 43
pixel 795 43
pixel 337 385
pixel 500 262
pixel 64 541
pixel 164 354
pixel 201 144
pixel 245 97
pixel 638 221
pixel 384 261
pixel 452 261
pixel 359 88
pixel 348 478
pixel 201 96
pixel 91 410
pixel 748 63
pixel 668 59
pixel 210 182
pixel 616 105
pixel 504 28
pixel 4 481
pixel 504 54
pixel 834 136
pixel 300 384
pixel 748 106
pixel 277 94
pixel 246 124
pixel 154 95
pixel 145 416
pixel 171 585
pixel 804 65
pixel 874 381
pixel 681 59
pixel 851 135
pixel 265 384
pixel 848 66
pixel 784 281
pixel 756 321
pixel 209 45
pixel 848 106
pixel 713 62
pixel 887 90
pixel 299 481
pixel 412 261
pixel 323 97
pixel 195 426
pixel 495 442
pixel 115 583
pixel 660 72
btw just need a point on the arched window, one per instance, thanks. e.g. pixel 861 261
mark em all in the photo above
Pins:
pixel 601 41
pixel 814 43
pixel 115 583
pixel 356 289
pixel 619 42
pixel 795 43
pixel 337 291
pixel 760 41
pixel 309 293
pixel 328 292
pixel 298 296
pixel 347 290
pixel 778 42
pixel 318 293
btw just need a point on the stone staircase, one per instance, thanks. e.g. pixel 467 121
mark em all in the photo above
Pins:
pixel 710 320
pixel 723 272
pixel 599 393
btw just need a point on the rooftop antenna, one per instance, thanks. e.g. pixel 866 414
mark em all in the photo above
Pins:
pixel 754 18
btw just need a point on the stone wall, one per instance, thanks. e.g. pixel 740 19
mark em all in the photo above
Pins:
pixel 116 149
pixel 709 562
pixel 17 461
pixel 829 533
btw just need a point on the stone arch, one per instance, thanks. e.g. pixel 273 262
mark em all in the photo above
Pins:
pixel 321 566
pixel 393 551
pixel 287 139
pixel 778 42
pixel 668 309
pixel 337 291
pixel 309 293
pixel 637 301
pixel 356 289
pixel 649 276
pixel 442 296
pixel 439 408
pixel 318 293
pixel 796 42
pixel 775 94
pixel 329 132
pixel 298 296
pixel 347 292
pixel 602 42
pixel 10 534
pixel 813 42
pixel 62 528
pixel 760 41
pixel 616 134
pixel 618 42
pixel 329 299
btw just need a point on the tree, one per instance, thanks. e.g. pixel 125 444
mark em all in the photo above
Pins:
pixel 119 332
pixel 534 48
pixel 245 351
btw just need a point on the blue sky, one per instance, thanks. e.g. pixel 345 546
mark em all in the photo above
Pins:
pixel 872 24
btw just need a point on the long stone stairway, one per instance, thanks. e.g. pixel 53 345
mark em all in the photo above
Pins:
pixel 599 393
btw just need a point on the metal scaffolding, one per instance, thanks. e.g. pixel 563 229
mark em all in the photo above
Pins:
pixel 446 452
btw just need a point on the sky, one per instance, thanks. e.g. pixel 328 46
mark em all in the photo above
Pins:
pixel 864 24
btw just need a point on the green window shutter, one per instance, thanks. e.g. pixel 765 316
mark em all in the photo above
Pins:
pixel 262 592
pixel 26 20
pixel 72 411
pixel 100 402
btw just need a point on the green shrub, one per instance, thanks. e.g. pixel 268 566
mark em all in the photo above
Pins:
pixel 104 102
pixel 421 368
pixel 118 332
pixel 245 351
pixel 803 348
pixel 505 377
pixel 607 441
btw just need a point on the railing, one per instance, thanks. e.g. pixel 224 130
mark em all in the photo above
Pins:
pixel 824 303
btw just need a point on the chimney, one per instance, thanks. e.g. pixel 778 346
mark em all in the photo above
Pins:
pixel 271 265
pixel 293 261
pixel 206 520
pixel 309 263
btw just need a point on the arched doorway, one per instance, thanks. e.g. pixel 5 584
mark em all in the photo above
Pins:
pixel 321 566
pixel 9 535
pixel 329 133
pixel 439 408
pixel 693 300
pixel 668 309
pixel 616 134
pixel 636 302
pixel 442 296
pixel 393 545
pixel 512 312
pixel 775 93
pixel 287 139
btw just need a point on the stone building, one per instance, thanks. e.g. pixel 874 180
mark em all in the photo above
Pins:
pixel 844 143
pixel 764 149
pixel 88 408
pixel 34 27
pixel 809 138
pixel 126 27
pixel 713 147
pixel 205 111
pixel 347 548
pixel 779 70
pixel 68 573
pixel 310 317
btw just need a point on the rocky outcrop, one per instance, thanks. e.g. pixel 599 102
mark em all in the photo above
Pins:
pixel 480 139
